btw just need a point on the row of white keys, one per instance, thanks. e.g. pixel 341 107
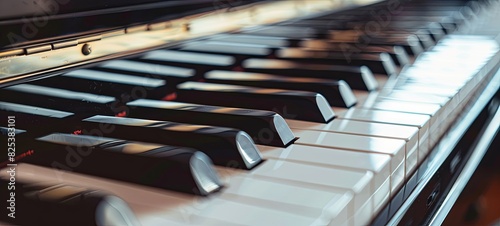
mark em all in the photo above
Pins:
pixel 408 134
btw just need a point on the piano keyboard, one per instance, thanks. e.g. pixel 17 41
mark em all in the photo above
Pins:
pixel 220 131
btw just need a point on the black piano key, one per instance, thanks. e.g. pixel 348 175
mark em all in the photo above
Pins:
pixel 271 41
pixel 358 77
pixel 16 142
pixel 280 31
pixel 39 120
pixel 265 127
pixel 300 105
pixel 424 37
pixel 167 167
pixel 201 62
pixel 174 75
pixel 397 53
pixel 108 83
pixel 466 13
pixel 424 34
pixel 411 43
pixel 225 146
pixel 337 93
pixel 364 12
pixel 434 29
pixel 60 204
pixel 233 49
pixel 377 62
pixel 60 99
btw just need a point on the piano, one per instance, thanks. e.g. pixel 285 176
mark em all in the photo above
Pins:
pixel 291 112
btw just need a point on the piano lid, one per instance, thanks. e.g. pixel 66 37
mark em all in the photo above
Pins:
pixel 45 37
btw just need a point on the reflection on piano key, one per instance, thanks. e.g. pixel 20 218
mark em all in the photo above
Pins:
pixel 60 99
pixel 174 75
pixel 379 164
pixel 377 62
pixel 45 203
pixel 357 77
pixel 167 167
pixel 107 83
pixel 226 146
pixel 300 105
pixel 337 93
pixel 265 127
pixel 393 147
pixel 200 62
pixel 339 172
pixel 371 129
pixel 326 204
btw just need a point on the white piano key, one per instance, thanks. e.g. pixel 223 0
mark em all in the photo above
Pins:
pixel 195 58
pixel 422 122
pixel 413 96
pixel 362 96
pixel 379 164
pixel 458 90
pixel 393 147
pixel 360 218
pixel 371 129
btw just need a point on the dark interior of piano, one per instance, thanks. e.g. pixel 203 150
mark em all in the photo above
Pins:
pixel 249 112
